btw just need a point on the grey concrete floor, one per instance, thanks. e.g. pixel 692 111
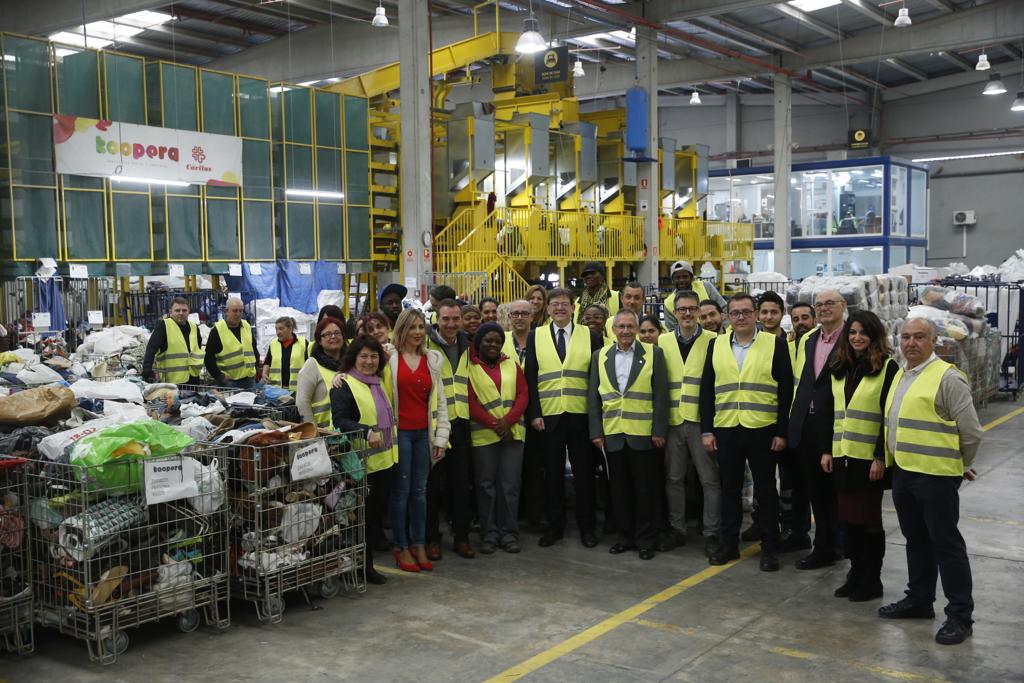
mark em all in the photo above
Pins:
pixel 571 614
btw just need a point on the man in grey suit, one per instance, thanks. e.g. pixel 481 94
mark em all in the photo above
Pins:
pixel 628 412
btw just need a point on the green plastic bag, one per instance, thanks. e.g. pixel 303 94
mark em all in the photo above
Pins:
pixel 101 470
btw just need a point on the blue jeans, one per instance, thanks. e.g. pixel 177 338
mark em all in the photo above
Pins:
pixel 408 502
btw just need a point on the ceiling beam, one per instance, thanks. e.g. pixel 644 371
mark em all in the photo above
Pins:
pixel 751 33
pixel 839 80
pixel 957 80
pixel 299 17
pixel 957 59
pixel 903 67
pixel 807 20
pixel 943 5
pixel 743 42
pixel 171 30
pixel 870 11
pixel 217 20
pixel 673 10
pixel 174 52
pixel 1012 49
pixel 851 74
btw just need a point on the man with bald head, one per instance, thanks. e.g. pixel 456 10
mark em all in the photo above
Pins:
pixel 231 350
pixel 931 437
pixel 810 436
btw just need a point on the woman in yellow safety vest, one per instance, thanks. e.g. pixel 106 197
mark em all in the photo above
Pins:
pixel 312 394
pixel 862 371
pixel 375 325
pixel 595 316
pixel 364 404
pixel 497 401
pixel 285 356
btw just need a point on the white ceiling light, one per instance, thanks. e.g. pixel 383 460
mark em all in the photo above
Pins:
pixel 957 157
pixel 903 18
pixel 380 17
pixel 695 98
pixel 982 64
pixel 813 5
pixel 994 86
pixel 530 40
pixel 577 69
pixel 148 181
pixel 317 194
pixel 1018 103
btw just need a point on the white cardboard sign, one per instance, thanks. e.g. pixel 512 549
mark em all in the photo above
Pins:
pixel 176 270
pixel 170 479
pixel 311 461
pixel 40 321
pixel 78 271
pixel 95 317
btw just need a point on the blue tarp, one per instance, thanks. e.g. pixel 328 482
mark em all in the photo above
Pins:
pixel 326 275
pixel 262 285
pixel 48 300
pixel 298 290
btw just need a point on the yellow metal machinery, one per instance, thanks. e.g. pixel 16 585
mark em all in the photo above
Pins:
pixel 560 189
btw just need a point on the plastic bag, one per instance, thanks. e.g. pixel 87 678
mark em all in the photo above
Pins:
pixel 211 488
pixel 110 460
pixel 39 406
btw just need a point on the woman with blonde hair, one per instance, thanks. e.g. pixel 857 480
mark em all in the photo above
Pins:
pixel 537 295
pixel 414 373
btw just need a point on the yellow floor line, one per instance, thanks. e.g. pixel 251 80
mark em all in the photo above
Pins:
pixel 629 614
pixel 399 572
pixel 1000 420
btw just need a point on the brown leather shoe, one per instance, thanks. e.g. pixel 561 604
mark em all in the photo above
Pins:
pixel 433 552
pixel 464 549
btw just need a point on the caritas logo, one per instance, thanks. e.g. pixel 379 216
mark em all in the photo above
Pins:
pixel 199 156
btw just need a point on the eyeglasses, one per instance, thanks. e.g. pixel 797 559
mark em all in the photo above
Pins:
pixel 330 335
pixel 686 309
pixel 746 313
pixel 818 305
pixel 520 314
pixel 559 304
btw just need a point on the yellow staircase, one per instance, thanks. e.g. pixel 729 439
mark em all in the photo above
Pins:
pixel 466 256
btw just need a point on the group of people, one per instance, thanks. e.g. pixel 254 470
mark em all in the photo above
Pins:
pixel 475 408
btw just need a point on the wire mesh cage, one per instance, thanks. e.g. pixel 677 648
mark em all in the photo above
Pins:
pixel 16 615
pixel 298 520
pixel 128 542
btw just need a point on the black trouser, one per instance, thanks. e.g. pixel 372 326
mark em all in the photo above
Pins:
pixel 928 508
pixel 378 486
pixel 637 488
pixel 736 447
pixel 795 513
pixel 531 497
pixel 449 482
pixel 819 489
pixel 571 432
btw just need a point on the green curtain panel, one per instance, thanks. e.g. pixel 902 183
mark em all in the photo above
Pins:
pixel 252 108
pixel 27 73
pixel 301 242
pixel 358 230
pixel 78 83
pixel 218 102
pixel 86 236
pixel 332 240
pixel 35 223
pixel 357 131
pixel 126 89
pixel 183 229
pixel 258 219
pixel 130 227
pixel 221 229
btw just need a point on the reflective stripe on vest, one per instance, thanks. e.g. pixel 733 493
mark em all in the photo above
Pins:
pixel 376 458
pixel 322 409
pixel 300 351
pixel 178 364
pixel 684 376
pixel 454 382
pixel 747 397
pixel 925 443
pixel 498 405
pixel 237 359
pixel 856 427
pixel 631 413
pixel 562 387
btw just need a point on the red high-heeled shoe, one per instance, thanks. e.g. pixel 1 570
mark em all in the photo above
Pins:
pixel 424 564
pixel 404 566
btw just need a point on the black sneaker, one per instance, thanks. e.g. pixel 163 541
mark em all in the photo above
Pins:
pixel 769 561
pixel 751 534
pixel 906 609
pixel 724 554
pixel 953 632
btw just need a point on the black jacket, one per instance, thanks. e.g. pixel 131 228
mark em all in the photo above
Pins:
pixel 530 370
pixel 817 390
pixel 158 344
pixel 782 373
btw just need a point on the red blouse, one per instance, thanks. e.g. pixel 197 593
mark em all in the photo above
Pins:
pixel 413 394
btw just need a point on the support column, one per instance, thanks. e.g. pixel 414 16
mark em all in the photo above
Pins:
pixel 647 78
pixel 415 151
pixel 783 162
pixel 732 125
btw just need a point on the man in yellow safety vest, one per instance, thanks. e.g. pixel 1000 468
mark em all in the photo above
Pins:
pixel 231 350
pixel 174 347
pixel 932 435
pixel 683 280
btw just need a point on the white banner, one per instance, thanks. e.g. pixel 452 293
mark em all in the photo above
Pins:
pixel 103 148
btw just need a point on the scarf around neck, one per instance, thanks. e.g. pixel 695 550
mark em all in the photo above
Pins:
pixel 385 414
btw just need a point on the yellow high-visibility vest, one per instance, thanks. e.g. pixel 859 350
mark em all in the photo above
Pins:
pixel 925 442
pixel 856 427
pixel 377 459
pixel 455 382
pixel 300 351
pixel 237 358
pixel 562 386
pixel 697 287
pixel 496 404
pixel 630 413
pixel 684 376
pixel 611 303
pixel 322 409
pixel 748 397
pixel 181 361
pixel 509 347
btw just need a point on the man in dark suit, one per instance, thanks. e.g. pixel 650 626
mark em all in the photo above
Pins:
pixel 557 367
pixel 629 422
pixel 810 434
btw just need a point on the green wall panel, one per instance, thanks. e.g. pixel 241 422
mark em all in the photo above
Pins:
pixel 328 170
pixel 296 116
pixel 256 180
pixel 358 233
pixel 126 91
pixel 31 149
pixel 35 223
pixel 78 84
pixel 221 229
pixel 357 132
pixel 357 178
pixel 179 97
pixel 218 102
pixel 298 167
pixel 27 73
pixel 332 245
pixel 258 220
pixel 86 238
pixel 301 244
pixel 252 108
pixel 328 119
pixel 183 227
pixel 130 226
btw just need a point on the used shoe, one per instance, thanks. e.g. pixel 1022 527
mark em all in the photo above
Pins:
pixel 710 544
pixel 588 539
pixel 870 590
pixel 375 577
pixel 464 549
pixel 550 538
pixel 794 542
pixel 488 548
pixel 769 561
pixel 816 560
pixel 511 547
pixel 620 548
pixel 671 541
pixel 433 552
pixel 953 632
pixel 646 554
pixel 848 586
pixel 906 609
pixel 724 554
pixel 751 534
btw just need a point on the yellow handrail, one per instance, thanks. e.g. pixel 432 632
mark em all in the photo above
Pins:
pixel 693 239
